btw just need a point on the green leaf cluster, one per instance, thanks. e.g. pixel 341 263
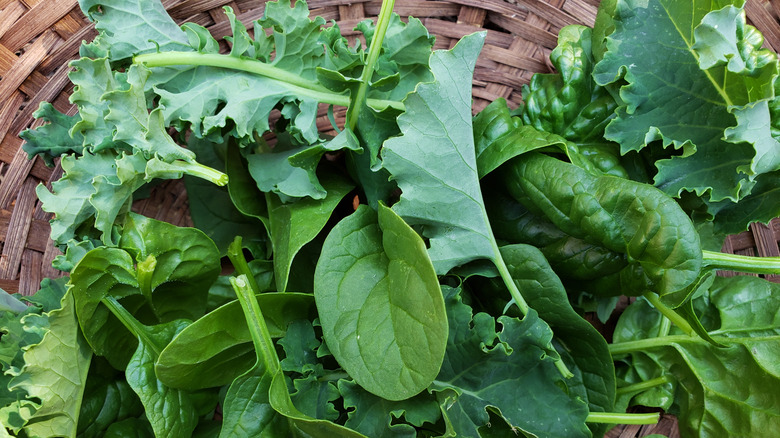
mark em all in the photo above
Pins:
pixel 423 272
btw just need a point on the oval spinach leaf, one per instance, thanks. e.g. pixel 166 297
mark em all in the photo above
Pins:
pixel 380 304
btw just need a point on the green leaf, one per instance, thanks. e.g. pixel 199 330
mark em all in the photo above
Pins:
pixel 434 162
pixel 171 412
pixel 294 224
pixel 623 216
pixel 720 391
pixel 52 139
pixel 108 399
pixel 9 303
pixel 55 373
pixel 186 364
pixel 379 418
pixel 380 305
pixel 484 369
pixel 581 341
pixel 211 208
pixel 695 84
pixel 568 103
pixel 186 263
pixel 127 28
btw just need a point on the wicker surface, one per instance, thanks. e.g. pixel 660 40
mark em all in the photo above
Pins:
pixel 39 37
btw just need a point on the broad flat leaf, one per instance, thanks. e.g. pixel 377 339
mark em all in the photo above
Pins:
pixel 379 418
pixel 485 369
pixel 170 411
pixel 184 363
pixel 294 224
pixel 9 303
pixel 55 373
pixel 695 84
pixel 720 391
pixel 759 206
pixel 131 27
pixel 380 305
pixel 186 263
pixel 434 162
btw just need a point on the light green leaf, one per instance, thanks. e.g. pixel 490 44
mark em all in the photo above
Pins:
pixel 379 304
pixel 52 139
pixel 434 162
pixel 55 373
pixel 127 28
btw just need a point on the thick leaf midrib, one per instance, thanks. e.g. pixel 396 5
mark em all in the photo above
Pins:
pixel 721 91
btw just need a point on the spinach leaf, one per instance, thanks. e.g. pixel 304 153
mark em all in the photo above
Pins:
pixel 621 215
pixel 294 224
pixel 380 305
pixel 185 363
pixel 729 391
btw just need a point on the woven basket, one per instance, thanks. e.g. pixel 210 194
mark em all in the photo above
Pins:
pixel 39 37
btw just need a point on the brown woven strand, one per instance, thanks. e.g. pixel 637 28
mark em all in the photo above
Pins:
pixel 39 37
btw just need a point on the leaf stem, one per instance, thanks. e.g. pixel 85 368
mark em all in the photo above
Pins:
pixel 506 276
pixel 176 168
pixel 373 55
pixel 741 263
pixel 669 313
pixel 132 324
pixel 622 418
pixel 261 337
pixel 235 253
pixel 646 344
pixel 642 386
pixel 296 84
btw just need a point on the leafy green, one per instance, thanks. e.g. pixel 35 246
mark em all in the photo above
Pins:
pixel 695 84
pixel 379 304
pixel 484 369
pixel 720 391
pixel 59 384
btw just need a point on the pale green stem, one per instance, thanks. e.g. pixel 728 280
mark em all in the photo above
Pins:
pixel 161 169
pixel 646 344
pixel 144 273
pixel 622 418
pixel 741 263
pixel 668 312
pixel 129 321
pixel 236 255
pixel 373 55
pixel 264 347
pixel 643 386
pixel 296 84
pixel 521 303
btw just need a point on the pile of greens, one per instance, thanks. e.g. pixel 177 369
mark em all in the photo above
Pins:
pixel 422 273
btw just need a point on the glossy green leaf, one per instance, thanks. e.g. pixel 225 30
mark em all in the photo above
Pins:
pixel 720 391
pixel 621 215
pixel 186 263
pixel 184 363
pixel 379 304
pixel 294 224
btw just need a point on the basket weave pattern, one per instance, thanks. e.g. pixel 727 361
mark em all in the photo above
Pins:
pixel 39 37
